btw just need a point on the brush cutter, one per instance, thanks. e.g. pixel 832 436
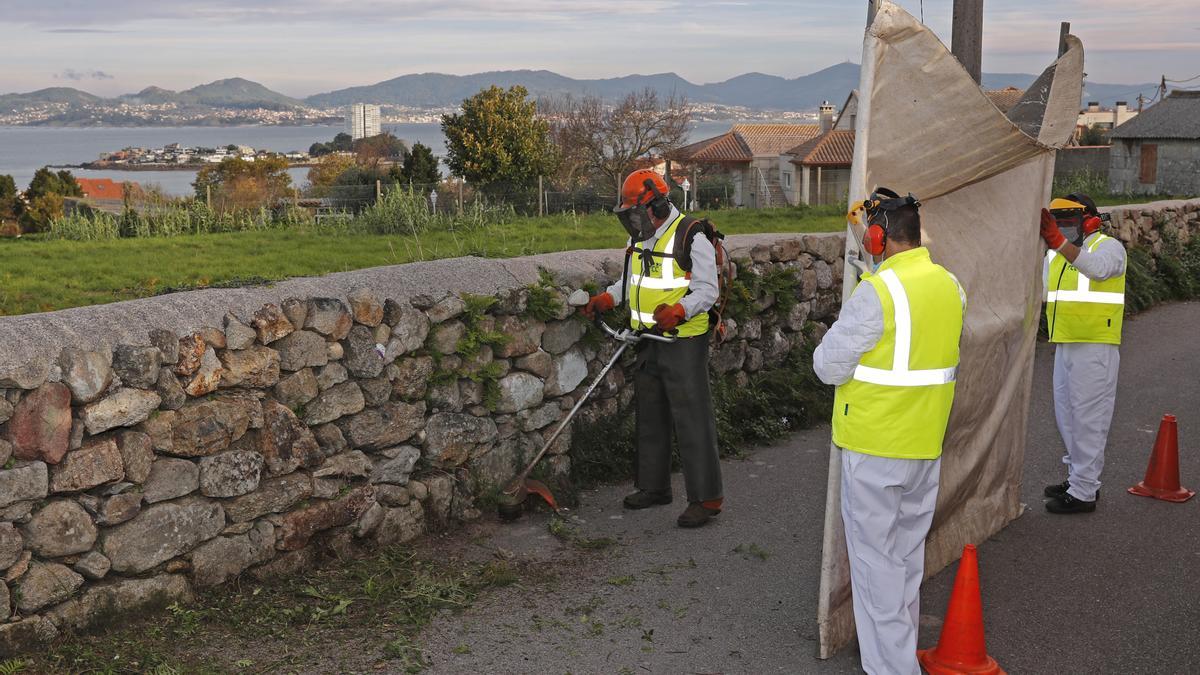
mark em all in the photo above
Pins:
pixel 512 499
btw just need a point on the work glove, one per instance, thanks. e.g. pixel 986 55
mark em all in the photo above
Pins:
pixel 667 317
pixel 598 304
pixel 1050 232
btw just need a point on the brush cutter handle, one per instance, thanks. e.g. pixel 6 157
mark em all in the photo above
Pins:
pixel 631 336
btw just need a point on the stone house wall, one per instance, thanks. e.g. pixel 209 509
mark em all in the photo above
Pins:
pixel 155 447
pixel 1178 171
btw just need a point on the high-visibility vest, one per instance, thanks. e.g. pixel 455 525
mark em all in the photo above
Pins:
pixel 898 402
pixel 1079 309
pixel 657 279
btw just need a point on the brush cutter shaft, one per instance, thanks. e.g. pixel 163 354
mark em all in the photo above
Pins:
pixel 579 404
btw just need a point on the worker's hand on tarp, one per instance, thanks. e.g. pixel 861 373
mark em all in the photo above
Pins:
pixel 597 304
pixel 1050 233
pixel 667 317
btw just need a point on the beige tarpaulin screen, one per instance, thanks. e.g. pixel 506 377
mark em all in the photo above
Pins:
pixel 925 127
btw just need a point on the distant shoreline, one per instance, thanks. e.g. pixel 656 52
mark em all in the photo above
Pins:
pixel 109 166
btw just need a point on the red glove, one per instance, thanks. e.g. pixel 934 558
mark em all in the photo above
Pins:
pixel 1050 232
pixel 667 317
pixel 597 304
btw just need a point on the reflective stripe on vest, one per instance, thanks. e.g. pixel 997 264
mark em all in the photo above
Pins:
pixel 900 375
pixel 1079 309
pixel 1082 292
pixel 897 403
pixel 667 286
pixel 668 280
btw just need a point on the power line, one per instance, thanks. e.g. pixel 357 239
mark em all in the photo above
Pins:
pixel 1187 80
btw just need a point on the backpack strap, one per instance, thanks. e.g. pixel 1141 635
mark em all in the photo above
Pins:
pixel 685 233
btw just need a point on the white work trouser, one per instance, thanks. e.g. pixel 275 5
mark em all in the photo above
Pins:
pixel 887 506
pixel 1085 392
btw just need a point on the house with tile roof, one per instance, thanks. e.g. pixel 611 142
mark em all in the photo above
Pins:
pixel 752 156
pixel 1158 152
pixel 823 167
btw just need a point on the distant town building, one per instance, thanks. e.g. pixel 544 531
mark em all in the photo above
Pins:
pixel 1106 118
pixel 362 121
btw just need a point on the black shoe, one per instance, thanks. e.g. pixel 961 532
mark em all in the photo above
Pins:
pixel 644 499
pixel 1056 491
pixel 696 515
pixel 1069 504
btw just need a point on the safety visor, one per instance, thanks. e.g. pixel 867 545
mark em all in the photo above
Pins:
pixel 636 221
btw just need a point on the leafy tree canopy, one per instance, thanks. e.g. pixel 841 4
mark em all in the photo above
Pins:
pixel 497 141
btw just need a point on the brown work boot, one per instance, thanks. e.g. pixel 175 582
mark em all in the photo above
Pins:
pixel 644 499
pixel 695 515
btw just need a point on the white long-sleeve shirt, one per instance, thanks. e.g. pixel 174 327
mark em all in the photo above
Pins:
pixel 856 332
pixel 1106 262
pixel 703 285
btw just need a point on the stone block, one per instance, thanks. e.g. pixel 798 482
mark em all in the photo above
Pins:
pixel 96 463
pixel 137 366
pixel 162 532
pixel 40 427
pixel 230 474
pixel 60 528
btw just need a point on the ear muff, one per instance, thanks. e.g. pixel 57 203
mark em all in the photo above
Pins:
pixel 875 239
pixel 660 206
pixel 1091 224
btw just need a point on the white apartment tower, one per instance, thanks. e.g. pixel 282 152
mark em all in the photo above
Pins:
pixel 362 120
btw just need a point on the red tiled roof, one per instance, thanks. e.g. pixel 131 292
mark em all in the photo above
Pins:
pixel 1005 98
pixel 831 149
pixel 744 142
pixel 101 188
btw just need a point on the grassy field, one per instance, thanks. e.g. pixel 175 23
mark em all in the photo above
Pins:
pixel 39 275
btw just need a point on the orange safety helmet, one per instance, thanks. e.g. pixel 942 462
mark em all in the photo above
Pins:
pixel 635 192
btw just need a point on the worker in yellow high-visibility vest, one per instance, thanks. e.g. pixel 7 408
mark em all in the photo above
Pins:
pixel 670 284
pixel 893 354
pixel 1084 275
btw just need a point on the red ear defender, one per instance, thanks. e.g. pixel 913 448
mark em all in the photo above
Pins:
pixel 1091 224
pixel 875 239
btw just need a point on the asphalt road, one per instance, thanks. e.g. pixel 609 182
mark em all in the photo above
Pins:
pixel 1116 591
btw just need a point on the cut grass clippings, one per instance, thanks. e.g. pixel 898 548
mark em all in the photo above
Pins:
pixel 371 608
pixel 40 275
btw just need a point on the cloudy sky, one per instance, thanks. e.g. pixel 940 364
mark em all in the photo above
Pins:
pixel 301 47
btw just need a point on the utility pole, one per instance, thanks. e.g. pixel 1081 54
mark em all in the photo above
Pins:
pixel 1064 29
pixel 1162 88
pixel 966 42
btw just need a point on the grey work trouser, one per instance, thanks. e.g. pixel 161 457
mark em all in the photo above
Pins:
pixel 673 400
pixel 1085 393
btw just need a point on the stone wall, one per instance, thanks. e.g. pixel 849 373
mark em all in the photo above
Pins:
pixel 156 447
pixel 1072 160
pixel 1152 226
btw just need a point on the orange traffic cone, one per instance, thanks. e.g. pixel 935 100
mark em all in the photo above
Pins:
pixel 960 649
pixel 1162 474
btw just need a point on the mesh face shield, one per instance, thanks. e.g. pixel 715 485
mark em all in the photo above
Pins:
pixel 1070 223
pixel 636 221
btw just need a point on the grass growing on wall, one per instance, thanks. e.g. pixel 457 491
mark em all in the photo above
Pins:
pixel 38 274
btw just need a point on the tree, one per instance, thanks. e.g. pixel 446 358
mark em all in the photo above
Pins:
pixel 237 184
pixel 8 198
pixel 1094 135
pixel 47 182
pixel 498 141
pixel 607 140
pixel 384 147
pixel 326 172
pixel 420 168
pixel 342 142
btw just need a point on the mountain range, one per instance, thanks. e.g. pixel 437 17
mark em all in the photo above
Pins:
pixel 755 91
